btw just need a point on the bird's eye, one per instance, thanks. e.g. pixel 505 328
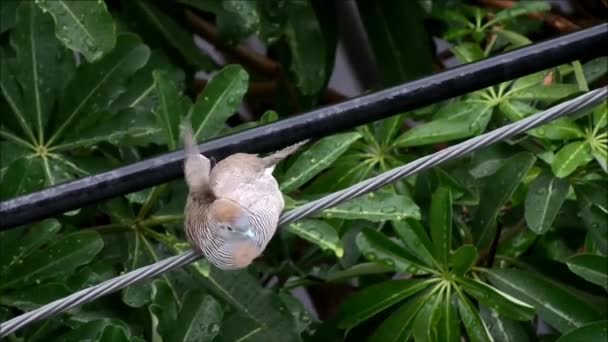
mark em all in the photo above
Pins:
pixel 229 228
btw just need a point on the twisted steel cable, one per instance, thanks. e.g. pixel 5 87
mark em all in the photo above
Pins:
pixel 87 295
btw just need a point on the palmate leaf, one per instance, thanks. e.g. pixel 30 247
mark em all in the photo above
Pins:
pixel 441 223
pixel 83 26
pixel 97 85
pixel 320 233
pixel 555 304
pixel 42 66
pixel 262 313
pixel 171 107
pixel 376 298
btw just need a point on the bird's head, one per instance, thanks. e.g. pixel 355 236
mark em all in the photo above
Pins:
pixel 230 221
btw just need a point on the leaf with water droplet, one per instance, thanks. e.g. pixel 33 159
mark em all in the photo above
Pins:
pixel 544 200
pixel 593 268
pixel 220 99
pixel 496 193
pixel 85 27
pixel 324 152
pixel 379 247
pixel 320 233
pixel 198 319
pixel 571 157
pixel 383 206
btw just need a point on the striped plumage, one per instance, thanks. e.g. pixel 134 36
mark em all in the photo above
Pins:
pixel 233 209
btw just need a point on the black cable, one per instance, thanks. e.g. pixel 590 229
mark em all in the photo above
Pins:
pixel 588 43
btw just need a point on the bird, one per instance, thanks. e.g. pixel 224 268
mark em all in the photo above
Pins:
pixel 232 208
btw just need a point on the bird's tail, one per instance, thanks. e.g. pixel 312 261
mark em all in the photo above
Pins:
pixel 277 156
pixel 196 166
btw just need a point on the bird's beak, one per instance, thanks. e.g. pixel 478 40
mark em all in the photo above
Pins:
pixel 249 234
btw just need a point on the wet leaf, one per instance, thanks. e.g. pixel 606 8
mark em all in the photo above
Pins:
pixel 84 26
pixel 468 52
pixel 320 233
pixel 172 106
pixel 376 298
pixel 441 223
pixel 376 247
pixel 505 304
pixel 571 157
pixel 544 200
pixel 22 176
pixel 503 329
pixel 377 207
pixel 307 46
pixel 596 331
pixel 95 86
pixel 554 303
pixel 474 325
pixel 593 268
pixel 398 326
pixel 463 259
pixel 59 258
pixel 496 193
pixel 315 159
pixel 415 239
pixel 199 318
pixel 220 99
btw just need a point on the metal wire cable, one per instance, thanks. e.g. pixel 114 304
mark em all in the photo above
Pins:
pixel 87 295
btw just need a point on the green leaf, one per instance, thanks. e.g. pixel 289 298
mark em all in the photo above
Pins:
pixel 320 233
pixel 43 65
pixel 560 129
pixel 113 333
pixel 260 309
pixel 402 48
pixel 553 92
pixel 175 35
pixel 415 239
pixel 445 319
pixel 476 328
pixel 441 223
pixel 519 9
pixel 172 105
pixel 219 100
pixel 19 243
pixel 503 303
pixel 59 258
pixel 443 130
pixel 357 270
pixel 425 321
pixel 22 176
pixel 554 303
pixel 468 52
pixel 307 45
pixel 460 109
pixel 376 298
pixel 600 116
pixel 571 157
pixel 199 318
pixel 379 248
pixel 90 331
pixel 503 329
pixel 8 15
pixel 595 69
pixel 593 268
pixel 398 326
pixel 516 110
pixel 596 331
pixel 463 259
pixel 83 26
pixel 124 127
pixel 11 91
pixel 33 297
pixel 96 85
pixel 315 159
pixel 545 197
pixel 377 207
pixel 496 193
pixel 237 20
pixel 516 39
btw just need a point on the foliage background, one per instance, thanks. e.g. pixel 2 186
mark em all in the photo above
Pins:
pixel 507 244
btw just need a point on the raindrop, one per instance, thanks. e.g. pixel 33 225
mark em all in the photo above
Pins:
pixel 388 262
pixel 214 328
pixel 370 256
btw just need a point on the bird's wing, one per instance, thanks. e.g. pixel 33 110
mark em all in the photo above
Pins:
pixel 234 172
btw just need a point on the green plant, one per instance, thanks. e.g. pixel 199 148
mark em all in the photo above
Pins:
pixel 497 240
